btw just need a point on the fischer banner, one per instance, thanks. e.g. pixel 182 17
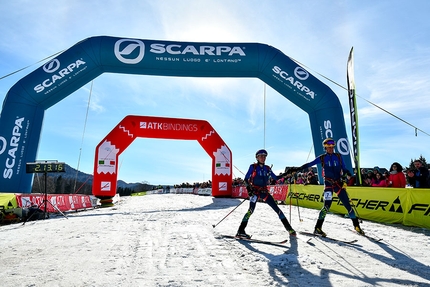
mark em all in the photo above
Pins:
pixel 132 127
pixel 25 103
pixel 407 206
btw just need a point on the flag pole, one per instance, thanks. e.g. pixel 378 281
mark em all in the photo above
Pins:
pixel 353 115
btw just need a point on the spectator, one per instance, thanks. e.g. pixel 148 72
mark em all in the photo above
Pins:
pixel 397 177
pixel 367 181
pixel 281 179
pixel 312 178
pixel 386 174
pixel 379 181
pixel 375 171
pixel 418 176
pixel 350 179
pixel 363 174
pixel 300 179
pixel 289 179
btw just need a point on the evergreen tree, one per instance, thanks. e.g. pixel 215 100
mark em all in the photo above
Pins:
pixel 422 159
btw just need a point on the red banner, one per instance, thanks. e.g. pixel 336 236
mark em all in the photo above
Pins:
pixel 279 192
pixel 62 202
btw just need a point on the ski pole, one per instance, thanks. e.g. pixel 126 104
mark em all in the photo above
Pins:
pixel 289 195
pixel 356 212
pixel 354 208
pixel 298 207
pixel 214 225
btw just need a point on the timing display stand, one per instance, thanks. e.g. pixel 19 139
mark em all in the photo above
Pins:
pixel 44 167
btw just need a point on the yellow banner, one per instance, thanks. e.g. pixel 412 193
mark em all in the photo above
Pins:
pixel 8 201
pixel 407 206
pixel 417 211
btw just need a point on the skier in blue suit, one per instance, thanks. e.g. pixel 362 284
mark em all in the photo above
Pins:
pixel 333 170
pixel 256 180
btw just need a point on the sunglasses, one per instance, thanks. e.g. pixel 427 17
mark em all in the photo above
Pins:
pixel 330 142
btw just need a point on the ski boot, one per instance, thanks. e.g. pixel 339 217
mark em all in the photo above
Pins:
pixel 318 231
pixel 241 231
pixel 318 228
pixel 288 227
pixel 357 226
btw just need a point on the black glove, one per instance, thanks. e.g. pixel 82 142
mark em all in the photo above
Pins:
pixel 250 190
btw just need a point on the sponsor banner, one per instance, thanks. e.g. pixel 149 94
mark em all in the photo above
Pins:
pixel 407 206
pixel 279 192
pixel 182 190
pixel 8 201
pixel 63 202
pixel 417 209
pixel 240 192
pixel 204 191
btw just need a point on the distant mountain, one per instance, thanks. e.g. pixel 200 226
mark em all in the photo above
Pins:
pixel 86 178
pixel 72 173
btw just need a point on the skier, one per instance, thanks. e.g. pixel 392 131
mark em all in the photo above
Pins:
pixel 333 170
pixel 256 180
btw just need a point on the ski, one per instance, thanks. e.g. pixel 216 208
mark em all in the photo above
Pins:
pixel 351 242
pixel 274 243
pixel 371 238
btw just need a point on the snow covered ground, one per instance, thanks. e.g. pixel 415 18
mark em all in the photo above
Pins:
pixel 168 240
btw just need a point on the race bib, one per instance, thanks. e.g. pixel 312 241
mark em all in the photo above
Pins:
pixel 253 198
pixel 328 195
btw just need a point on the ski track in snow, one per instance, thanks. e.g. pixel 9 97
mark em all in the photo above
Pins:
pixel 168 240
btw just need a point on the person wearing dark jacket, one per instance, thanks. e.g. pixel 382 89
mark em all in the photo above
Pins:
pixel 333 171
pixel 418 177
pixel 256 180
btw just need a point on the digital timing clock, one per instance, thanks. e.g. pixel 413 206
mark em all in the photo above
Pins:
pixel 42 167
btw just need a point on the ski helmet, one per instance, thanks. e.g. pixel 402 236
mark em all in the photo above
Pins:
pixel 328 142
pixel 261 151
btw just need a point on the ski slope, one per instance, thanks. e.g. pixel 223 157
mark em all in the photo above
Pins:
pixel 169 240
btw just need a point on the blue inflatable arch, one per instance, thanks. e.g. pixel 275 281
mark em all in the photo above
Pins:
pixel 25 103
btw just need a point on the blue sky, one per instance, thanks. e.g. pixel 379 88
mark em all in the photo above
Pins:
pixel 392 68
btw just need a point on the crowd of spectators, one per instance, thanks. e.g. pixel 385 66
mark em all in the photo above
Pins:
pixel 309 177
pixel 416 176
pixel 205 184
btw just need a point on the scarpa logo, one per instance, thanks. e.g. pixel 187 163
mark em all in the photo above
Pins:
pixel 129 51
pixel 301 73
pixel 51 66
pixel 3 144
pixel 343 146
pixel 13 150
pixel 177 49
